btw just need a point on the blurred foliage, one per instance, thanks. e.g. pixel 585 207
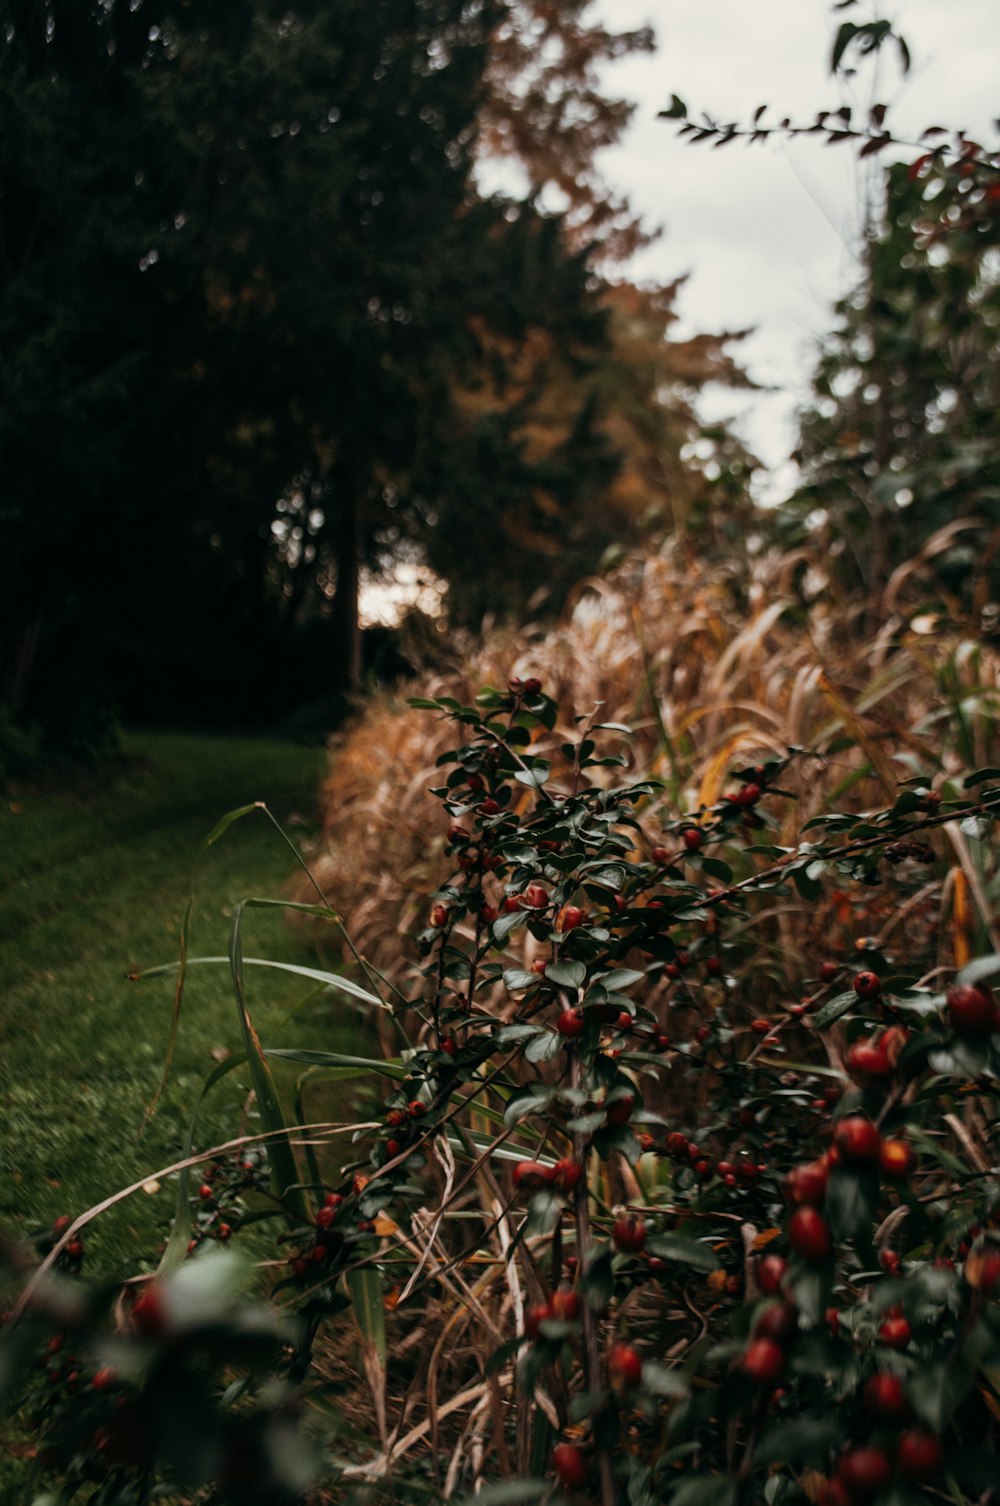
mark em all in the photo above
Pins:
pixel 902 435
pixel 247 279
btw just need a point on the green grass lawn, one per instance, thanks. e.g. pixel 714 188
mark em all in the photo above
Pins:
pixel 93 883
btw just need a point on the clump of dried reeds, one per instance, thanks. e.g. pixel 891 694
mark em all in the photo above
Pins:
pixel 711 665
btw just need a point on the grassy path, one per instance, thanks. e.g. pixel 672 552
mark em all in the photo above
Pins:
pixel 94 883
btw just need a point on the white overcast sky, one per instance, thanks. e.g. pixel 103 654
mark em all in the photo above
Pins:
pixel 768 234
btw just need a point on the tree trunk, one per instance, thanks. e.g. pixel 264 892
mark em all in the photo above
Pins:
pixel 346 624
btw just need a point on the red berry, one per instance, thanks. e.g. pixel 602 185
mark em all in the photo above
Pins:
pixel 531 686
pixel 567 1174
pixel 535 897
pixel 439 916
pixel 565 1306
pixel 867 985
pixel 624 1366
pixel 807 1184
pixel 224 1231
pixel 530 1175
pixel 692 838
pixel 779 1322
pixel 205 1191
pixel 572 917
pixel 392 1150
pixel 764 1362
pixel 828 971
pixel 885 1397
pixel 488 914
pixel 676 1143
pixel 103 1378
pixel 489 807
pixel 74 1250
pixel 449 1045
pixel 538 967
pixel 569 1465
pixel 809 1234
pixel 333 1200
pixel 895 1333
pixel 857 1139
pixel 416 1109
pixel 394 1119
pixel 832 1317
pixel 864 1471
pixel 61 1224
pixel 833 1493
pixel 570 1022
pixel 629 1235
pixel 458 833
pixel 971 1010
pixel 149 1312
pixel 512 904
pixel 867 1063
pixel 325 1217
pixel 760 1027
pixel 536 1315
pixel 891 1262
pixel 620 1112
pixel 919 1456
pixel 660 855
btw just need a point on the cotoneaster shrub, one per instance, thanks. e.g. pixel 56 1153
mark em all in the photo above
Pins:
pixel 620 1217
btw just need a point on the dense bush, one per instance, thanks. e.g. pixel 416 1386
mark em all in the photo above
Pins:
pixel 630 1205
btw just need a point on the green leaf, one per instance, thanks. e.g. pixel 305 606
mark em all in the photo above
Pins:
pixel 684 1251
pixel 365 1286
pixel 936 1390
pixel 317 975
pixel 284 1173
pixel 608 875
pixel 508 1492
pixel 597 1284
pixel 508 923
pixel 676 110
pixel 624 977
pixel 983 967
pixel 802 1440
pixel 979 777
pixel 529 1101
pixel 663 1382
pixel 834 1009
pixel 566 974
pixel 544 1047
pixel 517 978
pixel 851 1199
pixel 716 1490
